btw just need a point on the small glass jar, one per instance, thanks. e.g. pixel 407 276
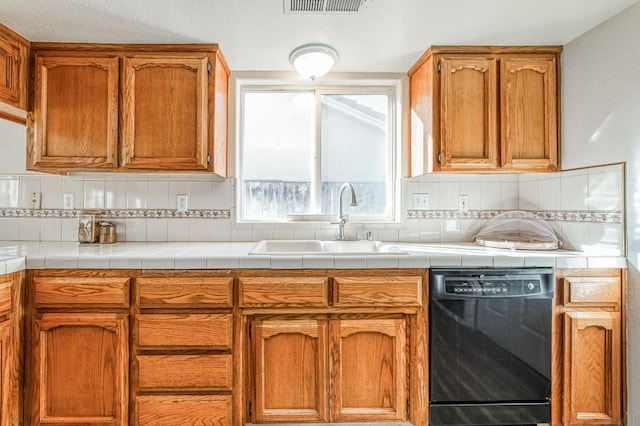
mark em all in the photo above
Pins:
pixel 88 228
pixel 107 233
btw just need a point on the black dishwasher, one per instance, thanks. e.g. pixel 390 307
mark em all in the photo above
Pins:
pixel 490 346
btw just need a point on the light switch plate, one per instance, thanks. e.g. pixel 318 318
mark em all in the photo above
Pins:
pixel 420 201
pixel 34 202
pixel 463 203
pixel 67 202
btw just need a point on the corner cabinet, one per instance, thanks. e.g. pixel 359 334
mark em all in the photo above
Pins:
pixel 78 364
pixel 128 108
pixel 11 348
pixel 14 65
pixel 485 109
pixel 592 366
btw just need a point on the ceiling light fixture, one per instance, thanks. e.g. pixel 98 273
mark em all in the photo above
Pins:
pixel 313 60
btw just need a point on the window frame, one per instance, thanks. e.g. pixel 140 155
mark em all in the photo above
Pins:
pixel 391 87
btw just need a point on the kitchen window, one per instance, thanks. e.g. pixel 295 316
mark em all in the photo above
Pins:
pixel 299 145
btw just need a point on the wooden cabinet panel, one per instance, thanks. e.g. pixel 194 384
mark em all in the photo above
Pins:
pixel 529 112
pixel 75 119
pixel 592 291
pixel 469 132
pixel 164 113
pixel 82 368
pixel 56 292
pixel 6 375
pixel 6 294
pixel 368 370
pixel 378 291
pixel 290 370
pixel 14 53
pixel 185 292
pixel 592 368
pixel 284 291
pixel 171 410
pixel 185 331
pixel 185 372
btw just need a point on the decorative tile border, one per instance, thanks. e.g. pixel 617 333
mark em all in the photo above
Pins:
pixel 552 216
pixel 120 214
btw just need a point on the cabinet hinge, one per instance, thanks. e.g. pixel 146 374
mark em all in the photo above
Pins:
pixel 250 410
pixel 208 67
pixel 208 159
pixel 439 67
pixel 439 158
pixel 408 406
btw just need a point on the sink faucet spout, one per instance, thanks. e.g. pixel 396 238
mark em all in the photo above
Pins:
pixel 342 220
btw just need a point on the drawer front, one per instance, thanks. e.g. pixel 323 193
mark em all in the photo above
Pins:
pixel 209 292
pixel 284 292
pixel 6 298
pixel 79 291
pixel 185 372
pixel 186 331
pixel 172 410
pixel 378 291
pixel 587 291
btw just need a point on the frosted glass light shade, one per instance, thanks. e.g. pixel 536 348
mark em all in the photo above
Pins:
pixel 313 60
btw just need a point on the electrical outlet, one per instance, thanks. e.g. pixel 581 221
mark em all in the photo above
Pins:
pixel 420 201
pixel 34 202
pixel 463 203
pixel 67 202
pixel 182 202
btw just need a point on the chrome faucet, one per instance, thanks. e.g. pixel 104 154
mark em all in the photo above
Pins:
pixel 341 219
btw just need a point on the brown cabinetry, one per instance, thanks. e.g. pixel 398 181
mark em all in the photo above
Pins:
pixel 11 353
pixel 14 53
pixel 592 349
pixel 79 347
pixel 485 109
pixel 128 107
pixel 337 351
pixel 182 358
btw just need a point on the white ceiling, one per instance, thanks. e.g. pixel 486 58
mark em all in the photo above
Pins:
pixel 255 35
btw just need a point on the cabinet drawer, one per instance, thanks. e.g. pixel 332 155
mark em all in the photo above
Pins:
pixel 210 292
pixel 185 372
pixel 378 291
pixel 171 410
pixel 590 291
pixel 188 331
pixel 6 291
pixel 79 291
pixel 284 292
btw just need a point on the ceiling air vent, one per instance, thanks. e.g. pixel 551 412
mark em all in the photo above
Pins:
pixel 323 7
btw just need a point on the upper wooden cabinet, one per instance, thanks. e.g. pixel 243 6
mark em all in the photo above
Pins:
pixel 485 109
pixel 128 108
pixel 14 53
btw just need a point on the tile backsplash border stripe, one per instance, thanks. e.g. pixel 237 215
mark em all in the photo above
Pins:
pixel 551 216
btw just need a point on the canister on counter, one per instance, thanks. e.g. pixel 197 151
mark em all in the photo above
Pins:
pixel 88 228
pixel 107 232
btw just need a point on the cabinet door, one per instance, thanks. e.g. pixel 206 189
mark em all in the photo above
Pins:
pixel 13 78
pixel 469 108
pixel 290 370
pixel 164 113
pixel 529 113
pixel 81 363
pixel 368 370
pixel 6 375
pixel 75 113
pixel 592 381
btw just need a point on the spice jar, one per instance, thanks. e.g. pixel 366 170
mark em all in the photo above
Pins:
pixel 107 233
pixel 88 228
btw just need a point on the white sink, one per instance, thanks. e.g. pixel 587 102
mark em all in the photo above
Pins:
pixel 320 247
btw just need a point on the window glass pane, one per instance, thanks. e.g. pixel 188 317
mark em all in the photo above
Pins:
pixel 355 149
pixel 277 153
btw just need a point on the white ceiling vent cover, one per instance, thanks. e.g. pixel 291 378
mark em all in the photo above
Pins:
pixel 323 7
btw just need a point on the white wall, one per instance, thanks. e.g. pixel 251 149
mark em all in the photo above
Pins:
pixel 601 124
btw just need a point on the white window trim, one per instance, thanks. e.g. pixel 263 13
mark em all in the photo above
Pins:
pixel 396 84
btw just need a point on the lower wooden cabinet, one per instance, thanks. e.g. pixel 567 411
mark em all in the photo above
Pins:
pixel 592 348
pixel 6 373
pixel 11 349
pixel 82 368
pixel 330 370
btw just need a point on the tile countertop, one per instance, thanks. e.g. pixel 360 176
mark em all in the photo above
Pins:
pixel 16 256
